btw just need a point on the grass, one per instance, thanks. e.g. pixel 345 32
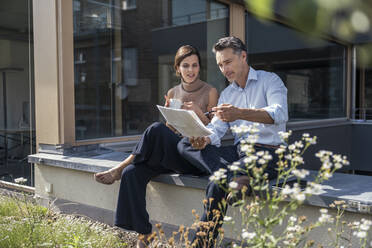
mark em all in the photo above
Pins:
pixel 25 224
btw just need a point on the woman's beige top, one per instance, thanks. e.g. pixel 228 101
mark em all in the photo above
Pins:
pixel 197 92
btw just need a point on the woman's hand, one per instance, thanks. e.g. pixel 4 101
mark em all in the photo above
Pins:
pixel 167 101
pixel 192 106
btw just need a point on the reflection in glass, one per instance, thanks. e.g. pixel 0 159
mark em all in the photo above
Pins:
pixel 17 126
pixel 124 53
pixel 313 70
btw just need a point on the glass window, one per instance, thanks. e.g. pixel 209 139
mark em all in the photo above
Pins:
pixel 368 94
pixel 124 59
pixel 363 93
pixel 312 69
pixel 17 112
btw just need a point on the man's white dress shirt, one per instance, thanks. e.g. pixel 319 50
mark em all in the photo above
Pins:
pixel 263 90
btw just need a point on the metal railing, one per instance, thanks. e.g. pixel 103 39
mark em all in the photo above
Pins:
pixel 200 17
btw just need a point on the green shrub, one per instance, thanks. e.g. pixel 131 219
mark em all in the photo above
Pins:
pixel 25 224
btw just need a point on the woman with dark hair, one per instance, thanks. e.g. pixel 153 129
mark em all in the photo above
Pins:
pixel 156 152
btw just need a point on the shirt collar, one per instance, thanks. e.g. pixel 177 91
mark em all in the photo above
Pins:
pixel 252 75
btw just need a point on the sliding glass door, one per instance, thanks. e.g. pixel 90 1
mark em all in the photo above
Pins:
pixel 17 129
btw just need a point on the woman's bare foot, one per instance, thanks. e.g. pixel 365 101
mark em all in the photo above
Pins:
pixel 107 177
pixel 113 174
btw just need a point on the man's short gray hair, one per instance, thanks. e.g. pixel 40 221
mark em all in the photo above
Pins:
pixel 230 42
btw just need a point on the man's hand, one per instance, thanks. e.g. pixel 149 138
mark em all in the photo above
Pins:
pixel 227 112
pixel 199 142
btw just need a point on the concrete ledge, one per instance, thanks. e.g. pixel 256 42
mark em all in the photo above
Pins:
pixel 356 190
pixel 87 162
pixel 102 162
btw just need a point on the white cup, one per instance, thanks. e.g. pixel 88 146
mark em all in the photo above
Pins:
pixel 175 103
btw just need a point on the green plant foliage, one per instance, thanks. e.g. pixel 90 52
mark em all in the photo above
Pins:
pixel 24 224
pixel 261 8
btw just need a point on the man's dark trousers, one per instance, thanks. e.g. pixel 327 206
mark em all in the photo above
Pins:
pixel 213 158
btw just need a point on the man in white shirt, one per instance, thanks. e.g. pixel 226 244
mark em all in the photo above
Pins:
pixel 252 97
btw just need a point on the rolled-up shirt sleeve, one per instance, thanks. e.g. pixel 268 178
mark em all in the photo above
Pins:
pixel 276 96
pixel 217 127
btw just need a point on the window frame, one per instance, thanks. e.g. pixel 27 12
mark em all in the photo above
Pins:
pixel 347 78
pixel 54 69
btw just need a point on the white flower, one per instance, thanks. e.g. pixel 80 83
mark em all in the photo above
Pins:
pixel 234 167
pixel 299 144
pixel 337 158
pixel 311 141
pixel 261 161
pixel 248 235
pixel 367 222
pixel 218 175
pixel 364 227
pixel 300 197
pixel 313 188
pixel 245 148
pixel 326 165
pixel 288 157
pixel 344 161
pixel 305 135
pixel 280 150
pixel 252 139
pixel 323 153
pixel 260 153
pixel 286 190
pixel 289 236
pixel 296 188
pixel 285 135
pixel 327 175
pixel 360 234
pixel 253 157
pixel 267 157
pixel 291 147
pixel 323 210
pixel 20 180
pixel 300 173
pixel 233 185
pixel 338 165
pixel 292 219
pixel 238 129
pixel 325 217
pixel 212 178
pixel 247 160
pixel 297 151
pixel 295 228
pixel 298 159
pixel 227 218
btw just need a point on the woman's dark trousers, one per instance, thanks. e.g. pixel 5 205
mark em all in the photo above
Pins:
pixel 156 153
